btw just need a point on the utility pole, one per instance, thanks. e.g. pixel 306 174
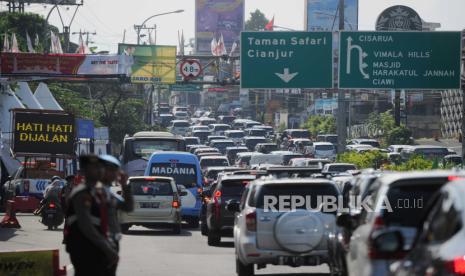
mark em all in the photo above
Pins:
pixel 463 95
pixel 139 28
pixel 341 113
pixel 85 33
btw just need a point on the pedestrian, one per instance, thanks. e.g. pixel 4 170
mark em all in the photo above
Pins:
pixel 86 231
pixel 113 173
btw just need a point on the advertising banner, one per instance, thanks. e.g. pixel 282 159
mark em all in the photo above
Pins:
pixel 66 65
pixel 216 17
pixel 41 132
pixel 322 15
pixel 53 2
pixel 149 63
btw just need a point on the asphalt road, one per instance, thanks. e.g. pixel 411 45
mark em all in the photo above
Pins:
pixel 149 252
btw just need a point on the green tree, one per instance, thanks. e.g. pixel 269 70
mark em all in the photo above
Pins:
pixel 399 136
pixel 320 124
pixel 20 23
pixel 256 22
pixel 380 123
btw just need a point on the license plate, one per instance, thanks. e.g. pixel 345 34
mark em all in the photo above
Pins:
pixel 50 216
pixel 149 204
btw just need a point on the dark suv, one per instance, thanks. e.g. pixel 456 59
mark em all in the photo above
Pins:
pixel 220 221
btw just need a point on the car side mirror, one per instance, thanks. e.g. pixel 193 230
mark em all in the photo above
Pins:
pixel 233 206
pixel 388 241
pixel 183 193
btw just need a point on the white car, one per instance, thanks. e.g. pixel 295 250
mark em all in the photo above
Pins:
pixel 324 150
pixel 157 203
pixel 295 238
pixel 179 127
pixel 181 115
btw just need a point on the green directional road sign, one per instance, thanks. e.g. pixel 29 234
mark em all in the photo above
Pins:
pixel 400 60
pixel 286 60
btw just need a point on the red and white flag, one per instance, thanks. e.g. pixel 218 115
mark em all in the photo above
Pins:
pixel 222 47
pixel 214 46
pixel 233 48
pixel 14 44
pixel 270 25
pixel 6 44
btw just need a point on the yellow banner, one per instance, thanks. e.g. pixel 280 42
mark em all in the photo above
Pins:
pixel 149 63
pixel 25 263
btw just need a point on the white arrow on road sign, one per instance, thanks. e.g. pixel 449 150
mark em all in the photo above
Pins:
pixel 286 77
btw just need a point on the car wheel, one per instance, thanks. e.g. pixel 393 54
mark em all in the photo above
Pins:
pixel 125 228
pixel 244 270
pixel 214 239
pixel 177 229
pixel 49 227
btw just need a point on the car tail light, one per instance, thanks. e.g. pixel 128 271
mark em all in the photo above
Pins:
pixel 26 185
pixel 175 204
pixel 149 179
pixel 52 205
pixel 251 221
pixel 217 200
pixel 456 266
pixel 454 177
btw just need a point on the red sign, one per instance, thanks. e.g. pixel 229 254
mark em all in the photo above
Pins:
pixel 190 69
pixel 66 65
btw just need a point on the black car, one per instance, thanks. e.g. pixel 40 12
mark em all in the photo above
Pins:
pixel 220 221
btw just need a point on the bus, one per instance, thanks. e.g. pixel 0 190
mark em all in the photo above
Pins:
pixel 184 168
pixel 136 150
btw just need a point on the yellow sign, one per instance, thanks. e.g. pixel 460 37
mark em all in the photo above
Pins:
pixel 25 263
pixel 149 63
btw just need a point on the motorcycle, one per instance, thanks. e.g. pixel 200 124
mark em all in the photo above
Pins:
pixel 52 215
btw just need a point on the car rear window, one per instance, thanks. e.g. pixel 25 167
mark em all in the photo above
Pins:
pixel 311 192
pixel 144 187
pixel 236 134
pixel 221 128
pixel 408 202
pixel 341 168
pixel 181 124
pixel 214 162
pixel 233 187
pixel 257 132
pixel 324 147
pixel 371 143
pixel 299 134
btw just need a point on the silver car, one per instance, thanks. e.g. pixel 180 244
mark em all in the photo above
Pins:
pixel 398 203
pixel 156 203
pixel 298 237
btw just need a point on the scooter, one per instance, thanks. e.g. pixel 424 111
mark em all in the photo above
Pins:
pixel 52 215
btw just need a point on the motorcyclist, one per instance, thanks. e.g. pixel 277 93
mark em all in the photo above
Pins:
pixel 51 194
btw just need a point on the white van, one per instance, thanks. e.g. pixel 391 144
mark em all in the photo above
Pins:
pixel 324 150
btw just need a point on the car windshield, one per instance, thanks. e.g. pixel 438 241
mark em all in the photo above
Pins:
pixel 147 187
pixel 183 174
pixel 214 162
pixel 222 128
pixel 145 148
pixel 271 159
pixel 432 152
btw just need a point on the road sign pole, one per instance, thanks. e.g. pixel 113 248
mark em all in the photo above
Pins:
pixel 397 107
pixel 341 111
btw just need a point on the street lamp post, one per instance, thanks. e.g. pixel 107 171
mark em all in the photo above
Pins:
pixel 139 27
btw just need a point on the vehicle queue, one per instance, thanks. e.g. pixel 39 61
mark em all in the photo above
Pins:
pixel 222 175
pixel 242 162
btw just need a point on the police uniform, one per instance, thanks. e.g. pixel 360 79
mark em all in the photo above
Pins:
pixel 86 232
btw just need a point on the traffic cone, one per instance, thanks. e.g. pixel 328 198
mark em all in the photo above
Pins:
pixel 9 220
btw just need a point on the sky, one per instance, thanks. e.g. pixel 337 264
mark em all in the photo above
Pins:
pixel 109 18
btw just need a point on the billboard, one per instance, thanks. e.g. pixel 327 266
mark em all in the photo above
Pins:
pixel 53 2
pixel 85 128
pixel 325 106
pixel 216 17
pixel 149 63
pixel 59 65
pixel 37 132
pixel 322 15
